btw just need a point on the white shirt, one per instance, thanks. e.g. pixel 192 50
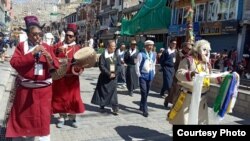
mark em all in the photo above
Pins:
pixel 91 42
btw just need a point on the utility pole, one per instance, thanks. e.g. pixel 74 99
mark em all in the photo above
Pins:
pixel 86 24
pixel 189 17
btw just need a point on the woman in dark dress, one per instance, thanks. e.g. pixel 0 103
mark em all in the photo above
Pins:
pixel 106 90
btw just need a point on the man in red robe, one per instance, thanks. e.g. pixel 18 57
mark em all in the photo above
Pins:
pixel 31 110
pixel 66 91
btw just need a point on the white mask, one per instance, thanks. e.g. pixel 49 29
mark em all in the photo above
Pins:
pixel 205 53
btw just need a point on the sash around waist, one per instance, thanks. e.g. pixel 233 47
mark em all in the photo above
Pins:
pixel 188 92
pixel 34 83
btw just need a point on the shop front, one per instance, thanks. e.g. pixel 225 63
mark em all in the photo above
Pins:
pixel 221 34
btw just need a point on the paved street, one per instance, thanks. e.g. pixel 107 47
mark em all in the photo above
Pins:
pixel 130 125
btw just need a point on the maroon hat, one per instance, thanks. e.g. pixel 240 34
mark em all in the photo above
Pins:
pixel 31 21
pixel 72 27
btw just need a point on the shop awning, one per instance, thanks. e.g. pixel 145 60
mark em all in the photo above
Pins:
pixel 153 15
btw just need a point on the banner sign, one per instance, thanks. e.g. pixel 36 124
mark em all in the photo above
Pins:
pixel 229 27
pixel 86 1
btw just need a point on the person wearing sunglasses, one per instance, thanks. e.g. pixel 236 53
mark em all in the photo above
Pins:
pixel 34 61
pixel 66 91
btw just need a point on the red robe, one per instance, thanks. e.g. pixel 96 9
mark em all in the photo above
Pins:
pixel 31 110
pixel 66 91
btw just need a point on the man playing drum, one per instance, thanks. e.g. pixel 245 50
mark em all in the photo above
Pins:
pixel 66 90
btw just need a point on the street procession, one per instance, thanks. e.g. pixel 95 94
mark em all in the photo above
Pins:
pixel 124 70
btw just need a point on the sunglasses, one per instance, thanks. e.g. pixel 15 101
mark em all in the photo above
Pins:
pixel 70 36
pixel 40 34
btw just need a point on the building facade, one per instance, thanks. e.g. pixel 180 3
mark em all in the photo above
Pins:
pixel 244 38
pixel 214 20
pixel 87 22
pixel 2 15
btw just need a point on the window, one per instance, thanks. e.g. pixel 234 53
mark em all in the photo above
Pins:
pixel 104 3
pixel 233 9
pixel 200 12
pixel 112 2
pixel 223 10
pixel 212 10
pixel 220 10
pixel 179 16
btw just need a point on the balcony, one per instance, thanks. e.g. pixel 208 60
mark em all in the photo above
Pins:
pixel 118 7
pixel 106 8
pixel 132 9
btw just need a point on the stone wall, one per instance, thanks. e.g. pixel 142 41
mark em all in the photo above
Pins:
pixel 157 82
pixel 242 106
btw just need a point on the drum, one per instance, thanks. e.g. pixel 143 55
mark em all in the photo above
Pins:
pixel 61 71
pixel 85 57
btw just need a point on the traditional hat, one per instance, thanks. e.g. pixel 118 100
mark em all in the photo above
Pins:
pixel 32 21
pixel 72 27
pixel 133 42
pixel 149 42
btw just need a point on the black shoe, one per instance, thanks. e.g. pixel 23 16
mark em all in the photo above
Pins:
pixel 74 124
pixel 166 104
pixel 115 111
pixel 130 93
pixel 145 114
pixel 102 109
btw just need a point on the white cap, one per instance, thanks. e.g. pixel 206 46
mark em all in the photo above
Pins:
pixel 149 42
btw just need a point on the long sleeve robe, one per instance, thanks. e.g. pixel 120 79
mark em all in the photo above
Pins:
pixel 106 88
pixel 31 110
pixel 66 91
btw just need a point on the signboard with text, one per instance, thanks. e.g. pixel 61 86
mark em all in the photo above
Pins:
pixel 86 1
pixel 219 28
pixel 173 30
pixel 182 29
pixel 211 28
pixel 229 27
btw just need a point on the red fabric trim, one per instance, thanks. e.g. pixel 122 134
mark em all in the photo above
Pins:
pixel 188 77
pixel 219 80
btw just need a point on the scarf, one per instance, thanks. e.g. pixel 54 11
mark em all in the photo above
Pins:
pixel 200 68
pixel 65 45
pixel 132 52
pixel 108 55
pixel 222 93
pixel 228 97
